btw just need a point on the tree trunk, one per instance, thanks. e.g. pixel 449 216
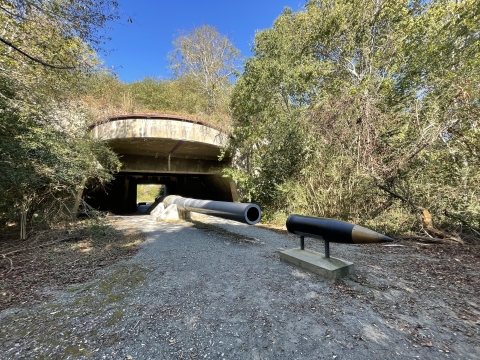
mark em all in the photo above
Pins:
pixel 23 224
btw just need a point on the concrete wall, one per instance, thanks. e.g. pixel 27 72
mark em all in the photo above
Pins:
pixel 159 128
pixel 174 165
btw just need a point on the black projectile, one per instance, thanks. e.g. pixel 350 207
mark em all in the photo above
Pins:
pixel 333 230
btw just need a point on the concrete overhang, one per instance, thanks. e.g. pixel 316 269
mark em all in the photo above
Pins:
pixel 162 136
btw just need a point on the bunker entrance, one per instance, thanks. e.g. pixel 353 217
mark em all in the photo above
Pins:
pixel 127 190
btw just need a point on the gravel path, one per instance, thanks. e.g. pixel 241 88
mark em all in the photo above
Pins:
pixel 214 289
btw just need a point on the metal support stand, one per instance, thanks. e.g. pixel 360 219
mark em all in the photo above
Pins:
pixel 327 248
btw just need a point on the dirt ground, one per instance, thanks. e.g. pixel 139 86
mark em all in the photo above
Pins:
pixel 59 257
pixel 213 289
pixel 428 292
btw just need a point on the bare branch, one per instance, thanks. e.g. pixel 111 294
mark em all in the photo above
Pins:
pixel 34 58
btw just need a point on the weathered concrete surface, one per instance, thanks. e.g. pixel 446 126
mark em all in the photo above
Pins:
pixel 329 268
pixel 162 137
pixel 182 154
pixel 153 206
pixel 164 144
pixel 160 128
pixel 168 214
pixel 175 165
pixel 156 209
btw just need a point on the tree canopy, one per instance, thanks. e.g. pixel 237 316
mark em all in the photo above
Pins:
pixel 210 60
pixel 365 110
pixel 47 58
pixel 50 32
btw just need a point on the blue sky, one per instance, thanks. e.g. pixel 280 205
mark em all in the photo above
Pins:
pixel 141 48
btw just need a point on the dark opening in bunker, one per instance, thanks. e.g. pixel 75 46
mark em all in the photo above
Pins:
pixel 121 196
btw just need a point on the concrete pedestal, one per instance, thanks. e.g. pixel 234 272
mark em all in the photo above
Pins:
pixel 172 212
pixel 157 211
pixel 329 268
pixel 169 214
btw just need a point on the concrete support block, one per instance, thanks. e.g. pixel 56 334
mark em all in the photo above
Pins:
pixel 170 213
pixel 329 268
pixel 158 209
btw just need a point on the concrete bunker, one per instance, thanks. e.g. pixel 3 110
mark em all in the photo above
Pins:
pixel 182 154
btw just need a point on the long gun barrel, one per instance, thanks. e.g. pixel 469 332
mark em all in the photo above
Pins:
pixel 247 213
pixel 333 230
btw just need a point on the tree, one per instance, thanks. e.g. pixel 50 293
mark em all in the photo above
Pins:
pixel 46 60
pixel 208 58
pixel 48 49
pixel 385 97
pixel 45 166
pixel 42 31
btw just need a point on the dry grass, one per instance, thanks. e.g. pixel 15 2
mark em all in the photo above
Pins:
pixel 58 257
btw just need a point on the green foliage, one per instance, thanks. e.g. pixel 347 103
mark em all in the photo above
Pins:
pixel 208 60
pixel 52 33
pixel 46 63
pixel 98 228
pixel 384 100
pixel 108 96
pixel 148 193
pixel 44 166
pixel 176 96
pixel 200 86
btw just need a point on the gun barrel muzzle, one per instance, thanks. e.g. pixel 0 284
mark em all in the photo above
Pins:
pixel 247 213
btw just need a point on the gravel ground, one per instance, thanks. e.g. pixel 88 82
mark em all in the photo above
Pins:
pixel 215 289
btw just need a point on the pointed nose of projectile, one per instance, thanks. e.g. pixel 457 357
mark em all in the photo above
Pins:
pixel 361 235
pixel 385 238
